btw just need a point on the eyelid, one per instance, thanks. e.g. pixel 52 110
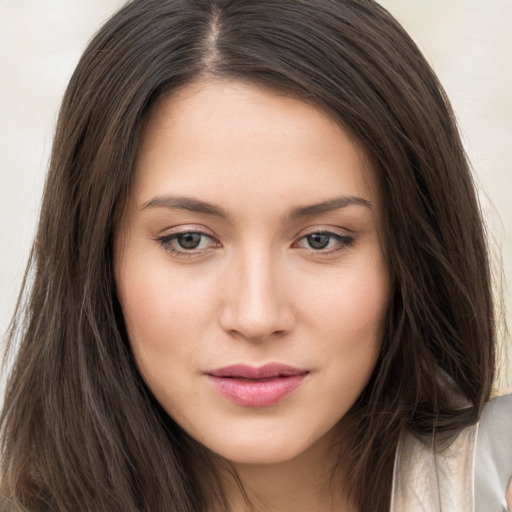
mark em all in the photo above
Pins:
pixel 326 228
pixel 187 228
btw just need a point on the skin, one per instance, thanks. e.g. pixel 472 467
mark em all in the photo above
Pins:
pixel 254 291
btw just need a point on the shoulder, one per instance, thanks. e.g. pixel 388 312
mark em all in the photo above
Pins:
pixel 470 475
pixel 493 458
pixel 436 480
pixel 496 418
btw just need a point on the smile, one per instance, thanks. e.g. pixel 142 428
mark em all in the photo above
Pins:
pixel 256 387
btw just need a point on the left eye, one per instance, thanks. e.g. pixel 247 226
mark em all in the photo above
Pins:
pixel 187 241
pixel 325 241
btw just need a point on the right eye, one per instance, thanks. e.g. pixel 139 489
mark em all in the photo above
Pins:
pixel 187 242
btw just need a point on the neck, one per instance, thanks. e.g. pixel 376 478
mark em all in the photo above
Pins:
pixel 311 482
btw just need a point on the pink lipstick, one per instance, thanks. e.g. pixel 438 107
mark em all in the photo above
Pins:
pixel 256 387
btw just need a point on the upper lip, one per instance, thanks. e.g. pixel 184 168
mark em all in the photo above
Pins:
pixel 256 372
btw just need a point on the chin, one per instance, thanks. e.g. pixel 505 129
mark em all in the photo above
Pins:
pixel 273 448
pixel 259 455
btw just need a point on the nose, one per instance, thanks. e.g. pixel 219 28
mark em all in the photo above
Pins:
pixel 257 302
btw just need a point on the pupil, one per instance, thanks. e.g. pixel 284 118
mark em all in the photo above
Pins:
pixel 318 241
pixel 189 240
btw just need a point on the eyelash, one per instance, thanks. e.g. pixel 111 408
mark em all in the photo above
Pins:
pixel 343 242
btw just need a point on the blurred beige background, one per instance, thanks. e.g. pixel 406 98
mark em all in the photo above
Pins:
pixel 468 42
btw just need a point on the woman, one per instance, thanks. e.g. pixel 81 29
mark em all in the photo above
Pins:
pixel 260 275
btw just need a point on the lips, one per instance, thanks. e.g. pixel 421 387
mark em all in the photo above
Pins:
pixel 256 386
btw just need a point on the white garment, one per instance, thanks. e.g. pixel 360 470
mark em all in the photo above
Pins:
pixel 470 475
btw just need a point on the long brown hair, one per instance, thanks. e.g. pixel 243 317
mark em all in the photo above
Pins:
pixel 80 430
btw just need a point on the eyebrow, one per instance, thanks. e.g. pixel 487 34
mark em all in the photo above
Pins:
pixel 326 206
pixel 198 206
pixel 186 203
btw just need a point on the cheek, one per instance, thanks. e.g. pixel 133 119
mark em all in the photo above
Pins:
pixel 348 316
pixel 162 307
pixel 166 315
pixel 353 303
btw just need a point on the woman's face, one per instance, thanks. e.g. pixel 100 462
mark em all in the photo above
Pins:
pixel 249 269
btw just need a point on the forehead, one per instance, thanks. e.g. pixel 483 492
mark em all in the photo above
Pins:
pixel 225 141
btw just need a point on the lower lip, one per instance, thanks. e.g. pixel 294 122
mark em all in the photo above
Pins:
pixel 257 393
